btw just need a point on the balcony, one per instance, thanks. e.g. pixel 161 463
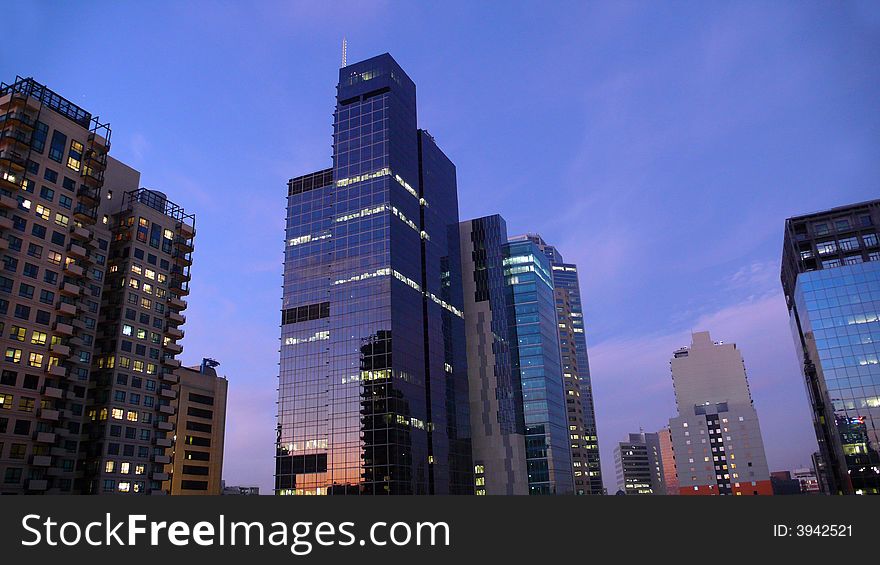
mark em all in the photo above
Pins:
pixel 176 304
pixel 169 362
pixel 74 270
pixel 37 484
pixel 173 333
pixel 183 245
pixel 56 371
pixel 160 477
pixel 171 377
pixel 13 160
pixel 6 223
pixel 162 459
pixel 42 461
pixel 85 214
pixel 168 393
pixel 89 196
pixel 81 233
pixel 4 244
pixel 63 329
pixel 77 251
pixel 179 284
pixel 174 348
pixel 45 437
pixel 186 230
pixel 19 119
pixel 163 442
pixel 184 259
pixel 60 349
pixel 58 452
pixel 175 318
pixel 167 409
pixel 48 414
pixel 66 308
pixel 71 289
pixel 52 392
pixel 8 202
pixel 15 138
pixel 165 426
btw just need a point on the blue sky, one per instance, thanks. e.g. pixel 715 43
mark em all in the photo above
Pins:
pixel 658 145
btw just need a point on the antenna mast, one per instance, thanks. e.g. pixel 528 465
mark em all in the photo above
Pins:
pixel 344 52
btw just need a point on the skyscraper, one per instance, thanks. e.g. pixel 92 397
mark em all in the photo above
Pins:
pixel 831 279
pixel 53 154
pixel 496 405
pixel 373 392
pixel 576 370
pixel 129 427
pixel 639 466
pixel 535 357
pixel 716 436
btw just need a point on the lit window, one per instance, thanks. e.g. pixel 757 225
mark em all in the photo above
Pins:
pixel 116 413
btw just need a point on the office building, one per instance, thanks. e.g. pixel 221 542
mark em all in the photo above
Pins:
pixel 716 436
pixel 373 392
pixel 831 279
pixel 638 465
pixel 667 462
pixel 197 458
pixel 586 464
pixel 496 404
pixel 535 356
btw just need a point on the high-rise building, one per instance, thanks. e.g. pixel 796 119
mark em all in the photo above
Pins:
pixel 535 357
pixel 639 466
pixel 129 428
pixel 716 436
pixel 373 392
pixel 667 462
pixel 53 154
pixel 586 464
pixel 197 458
pixel 93 316
pixel 831 279
pixel 496 404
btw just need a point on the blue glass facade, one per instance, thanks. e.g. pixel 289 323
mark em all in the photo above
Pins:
pixel 831 278
pixel 373 378
pixel 840 307
pixel 536 360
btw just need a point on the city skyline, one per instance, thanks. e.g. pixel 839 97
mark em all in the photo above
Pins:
pixel 638 149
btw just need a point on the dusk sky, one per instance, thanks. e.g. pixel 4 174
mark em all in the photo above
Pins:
pixel 660 146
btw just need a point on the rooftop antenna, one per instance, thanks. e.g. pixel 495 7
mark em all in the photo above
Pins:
pixel 344 51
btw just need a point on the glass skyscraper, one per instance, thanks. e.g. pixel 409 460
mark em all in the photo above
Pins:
pixel 831 278
pixel 575 370
pixel 373 381
pixel 535 357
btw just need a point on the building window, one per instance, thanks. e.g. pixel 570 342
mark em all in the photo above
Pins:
pixel 58 145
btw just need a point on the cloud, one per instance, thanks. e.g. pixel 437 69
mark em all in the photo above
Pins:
pixel 632 384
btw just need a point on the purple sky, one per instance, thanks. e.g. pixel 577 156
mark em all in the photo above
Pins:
pixel 658 145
